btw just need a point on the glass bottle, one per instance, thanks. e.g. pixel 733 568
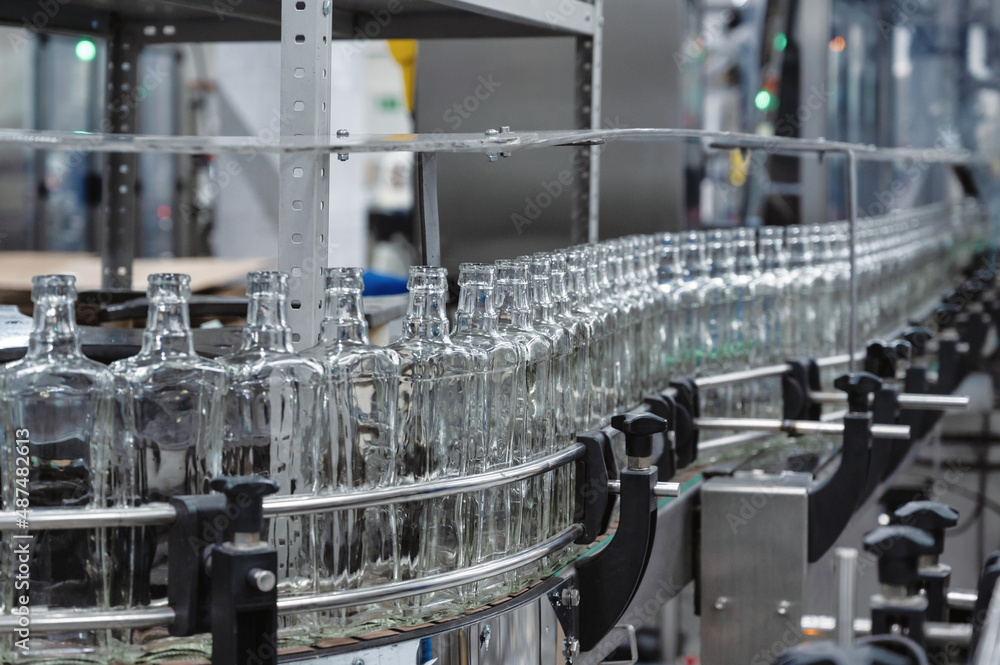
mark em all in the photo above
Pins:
pixel 499 373
pixel 609 350
pixel 177 410
pixel 560 376
pixel 435 400
pixel 771 288
pixel 646 258
pixel 581 308
pixel 272 426
pixel 669 273
pixel 716 327
pixel 580 331
pixel 57 411
pixel 744 341
pixel 803 334
pixel 687 302
pixel 533 406
pixel 616 292
pixel 356 451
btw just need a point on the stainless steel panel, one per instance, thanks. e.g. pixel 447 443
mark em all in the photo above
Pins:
pixel 753 566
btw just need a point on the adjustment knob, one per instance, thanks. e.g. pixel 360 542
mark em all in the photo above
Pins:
pixel 898 549
pixel 917 336
pixel 880 359
pixel 945 315
pixel 244 501
pixel 639 429
pixel 859 386
pixel 930 516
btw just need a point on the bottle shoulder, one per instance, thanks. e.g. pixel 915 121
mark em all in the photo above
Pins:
pixel 259 363
pixel 162 367
pixel 66 373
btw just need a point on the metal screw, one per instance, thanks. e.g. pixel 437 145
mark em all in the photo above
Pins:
pixel 484 637
pixel 491 132
pixel 505 129
pixel 721 602
pixel 358 661
pixel 343 156
pixel 262 580
pixel 570 597
pixel 492 157
pixel 327 6
pixel 783 607
pixel 343 133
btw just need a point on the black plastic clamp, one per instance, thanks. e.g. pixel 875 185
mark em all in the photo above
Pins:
pixel 594 505
pixel 687 407
pixel 665 407
pixel 795 388
pixel 609 579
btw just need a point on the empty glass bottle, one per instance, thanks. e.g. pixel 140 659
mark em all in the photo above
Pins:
pixel 356 548
pixel 716 322
pixel 177 417
pixel 499 374
pixel 688 301
pixel 581 304
pixel 56 442
pixel 436 389
pixel 669 273
pixel 535 428
pixel 744 335
pixel 616 294
pixel 605 400
pixel 803 320
pixel 771 288
pixel 273 424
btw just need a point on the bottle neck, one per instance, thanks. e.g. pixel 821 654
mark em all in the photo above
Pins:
pixel 695 265
pixel 344 319
pixel 746 260
pixel 475 310
pixel 54 330
pixel 266 326
pixel 542 307
pixel 168 328
pixel 559 286
pixel 669 268
pixel 512 305
pixel 426 317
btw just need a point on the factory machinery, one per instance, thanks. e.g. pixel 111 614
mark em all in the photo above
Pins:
pixel 658 505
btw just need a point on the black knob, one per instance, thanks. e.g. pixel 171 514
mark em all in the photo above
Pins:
pixel 880 359
pixel 244 501
pixel 945 315
pixel 898 548
pixel 639 429
pixel 902 349
pixel 974 290
pixel 918 336
pixel 930 516
pixel 859 386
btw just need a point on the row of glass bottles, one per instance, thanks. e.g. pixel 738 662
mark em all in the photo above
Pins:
pixel 542 347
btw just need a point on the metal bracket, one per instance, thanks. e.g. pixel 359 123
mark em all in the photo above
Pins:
pixel 665 407
pixel 192 537
pixel 609 579
pixel 832 502
pixel 885 454
pixel 687 407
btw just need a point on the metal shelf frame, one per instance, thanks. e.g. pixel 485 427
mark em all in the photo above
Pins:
pixel 306 30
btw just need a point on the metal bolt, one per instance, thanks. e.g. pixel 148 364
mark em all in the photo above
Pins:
pixel 358 661
pixel 505 129
pixel 262 580
pixel 783 607
pixel 343 133
pixel 570 597
pixel 721 602
pixel 571 648
pixel 327 6
pixel 343 156
pixel 492 157
pixel 491 132
pixel 484 637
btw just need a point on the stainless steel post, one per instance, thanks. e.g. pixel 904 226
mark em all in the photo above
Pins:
pixel 847 571
pixel 852 223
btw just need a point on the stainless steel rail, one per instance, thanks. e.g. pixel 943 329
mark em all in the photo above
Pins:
pixel 715 445
pixel 68 621
pixel 154 514
pixel 797 426
pixel 430 584
pixel 905 400
pixel 660 489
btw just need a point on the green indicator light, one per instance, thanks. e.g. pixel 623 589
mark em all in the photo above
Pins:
pixel 86 50
pixel 780 41
pixel 762 100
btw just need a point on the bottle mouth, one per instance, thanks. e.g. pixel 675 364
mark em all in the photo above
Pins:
pixel 53 287
pixel 482 274
pixel 267 283
pixel 512 271
pixel 344 279
pixel 427 279
pixel 169 287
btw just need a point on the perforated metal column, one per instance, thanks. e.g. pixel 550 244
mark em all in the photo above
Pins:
pixel 304 211
pixel 587 163
pixel 120 205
